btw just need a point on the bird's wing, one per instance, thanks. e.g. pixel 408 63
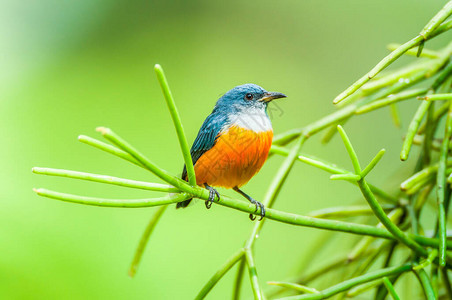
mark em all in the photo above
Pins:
pixel 207 137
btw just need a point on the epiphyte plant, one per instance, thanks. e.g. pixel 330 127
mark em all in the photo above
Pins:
pixel 400 247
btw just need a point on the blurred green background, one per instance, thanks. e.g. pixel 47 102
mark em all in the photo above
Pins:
pixel 70 66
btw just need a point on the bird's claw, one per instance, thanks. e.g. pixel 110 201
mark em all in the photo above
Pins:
pixel 262 210
pixel 212 193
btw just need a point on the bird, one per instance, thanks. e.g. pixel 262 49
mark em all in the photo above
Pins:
pixel 233 143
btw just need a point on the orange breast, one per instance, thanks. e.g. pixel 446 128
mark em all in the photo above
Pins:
pixel 236 157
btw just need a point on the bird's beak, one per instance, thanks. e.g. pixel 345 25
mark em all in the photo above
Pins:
pixel 272 96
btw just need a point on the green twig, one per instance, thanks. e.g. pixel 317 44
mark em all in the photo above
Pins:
pixel 414 51
pixel 238 279
pixel 243 206
pixel 390 99
pixel 144 240
pixel 106 179
pixel 441 187
pixel 390 288
pixel 109 149
pixel 413 128
pixel 220 273
pixel 426 284
pixel 435 22
pixel 177 124
pixel 436 97
pixel 346 211
pixel 257 292
pixel 149 202
pixel 348 284
pixel 294 286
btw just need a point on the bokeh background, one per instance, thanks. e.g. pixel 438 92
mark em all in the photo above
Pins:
pixel 70 66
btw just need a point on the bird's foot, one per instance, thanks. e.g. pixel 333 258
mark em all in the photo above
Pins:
pixel 258 205
pixel 212 193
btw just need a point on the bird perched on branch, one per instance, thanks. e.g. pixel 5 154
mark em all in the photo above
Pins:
pixel 233 142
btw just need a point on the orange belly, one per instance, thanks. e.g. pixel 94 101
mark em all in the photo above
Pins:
pixel 237 156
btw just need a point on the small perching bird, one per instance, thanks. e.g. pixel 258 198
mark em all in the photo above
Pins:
pixel 233 142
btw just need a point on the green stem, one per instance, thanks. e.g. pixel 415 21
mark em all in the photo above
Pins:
pixel 390 288
pixel 389 59
pixel 348 284
pixel 413 52
pixel 109 149
pixel 106 179
pixel 436 97
pixel 441 187
pixel 243 206
pixel 294 286
pixel 426 284
pixel 331 168
pixel 381 215
pixel 144 240
pixel 413 128
pixel 177 124
pixel 128 203
pixel 350 150
pixel 220 273
pixel 122 144
pixel 372 163
pixel 253 275
pixel 390 99
pixel 435 22
pixel 238 279
pixel 346 211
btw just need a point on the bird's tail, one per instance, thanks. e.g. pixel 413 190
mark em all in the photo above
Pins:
pixel 184 203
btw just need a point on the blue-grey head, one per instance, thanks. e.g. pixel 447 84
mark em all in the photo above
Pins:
pixel 247 96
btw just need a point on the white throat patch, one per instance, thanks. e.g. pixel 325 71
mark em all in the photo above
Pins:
pixel 254 119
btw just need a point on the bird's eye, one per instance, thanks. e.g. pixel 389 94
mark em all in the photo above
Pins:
pixel 249 96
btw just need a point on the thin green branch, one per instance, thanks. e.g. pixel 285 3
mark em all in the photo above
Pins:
pixel 381 215
pixel 348 284
pixel 122 144
pixel 331 168
pixel 447 284
pixel 350 150
pixel 177 124
pixel 346 211
pixel 109 149
pixel 257 292
pixel 390 99
pixel 347 177
pixel 441 187
pixel 414 51
pixel 436 21
pixel 436 97
pixel 373 203
pixel 373 163
pixel 394 76
pixel 144 239
pixel 426 284
pixel 428 261
pixel 238 279
pixel 220 273
pixel 106 179
pixel 243 206
pixel 294 286
pixel 148 202
pixel 358 290
pixel 389 59
pixel 390 288
pixel 395 115
pixel 413 128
